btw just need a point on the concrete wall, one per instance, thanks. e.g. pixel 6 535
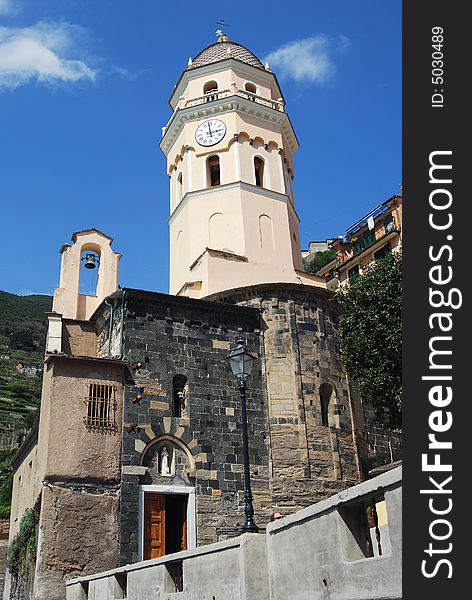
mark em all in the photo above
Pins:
pixel 230 570
pixel 314 554
pixel 78 528
pixel 308 555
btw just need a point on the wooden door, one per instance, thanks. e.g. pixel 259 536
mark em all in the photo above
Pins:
pixel 183 520
pixel 154 526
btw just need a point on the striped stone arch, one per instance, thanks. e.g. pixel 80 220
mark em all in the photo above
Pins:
pixel 181 461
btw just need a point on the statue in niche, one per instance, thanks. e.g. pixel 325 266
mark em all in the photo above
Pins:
pixel 165 468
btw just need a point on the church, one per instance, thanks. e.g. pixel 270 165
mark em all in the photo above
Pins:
pixel 139 448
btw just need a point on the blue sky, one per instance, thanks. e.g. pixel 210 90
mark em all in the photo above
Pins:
pixel 84 88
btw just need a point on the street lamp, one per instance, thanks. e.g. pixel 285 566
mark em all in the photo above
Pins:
pixel 241 361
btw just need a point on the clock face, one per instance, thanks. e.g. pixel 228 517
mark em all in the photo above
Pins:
pixel 210 132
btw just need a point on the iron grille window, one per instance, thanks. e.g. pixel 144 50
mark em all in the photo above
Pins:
pixel 100 406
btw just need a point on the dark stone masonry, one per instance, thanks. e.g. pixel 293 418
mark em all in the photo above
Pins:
pixel 306 424
pixel 179 338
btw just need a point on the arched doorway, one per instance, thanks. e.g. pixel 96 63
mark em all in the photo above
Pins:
pixel 167 521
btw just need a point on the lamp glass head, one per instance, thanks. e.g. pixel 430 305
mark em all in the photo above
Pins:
pixel 241 360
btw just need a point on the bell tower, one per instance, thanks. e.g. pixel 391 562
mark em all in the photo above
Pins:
pixel 93 247
pixel 229 146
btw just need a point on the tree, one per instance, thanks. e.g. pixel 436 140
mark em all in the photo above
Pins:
pixel 313 262
pixel 371 329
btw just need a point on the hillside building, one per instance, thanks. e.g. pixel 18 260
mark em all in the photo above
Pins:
pixel 372 237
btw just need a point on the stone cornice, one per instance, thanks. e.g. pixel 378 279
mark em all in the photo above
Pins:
pixel 272 289
pixel 222 106
pixel 195 303
pixel 243 185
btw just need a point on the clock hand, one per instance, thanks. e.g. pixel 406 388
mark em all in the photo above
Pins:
pixel 211 135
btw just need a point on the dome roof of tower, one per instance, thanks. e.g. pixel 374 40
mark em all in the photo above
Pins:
pixel 225 48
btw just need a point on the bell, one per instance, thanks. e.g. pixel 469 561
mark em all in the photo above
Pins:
pixel 90 261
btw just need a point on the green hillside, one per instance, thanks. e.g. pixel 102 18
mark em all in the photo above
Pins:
pixel 22 340
pixel 22 320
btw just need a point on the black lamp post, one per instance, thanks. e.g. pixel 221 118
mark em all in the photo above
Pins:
pixel 241 361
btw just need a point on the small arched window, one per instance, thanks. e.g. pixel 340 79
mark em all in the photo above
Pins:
pixel 326 392
pixel 259 171
pixel 179 395
pixel 210 87
pixel 251 87
pixel 180 186
pixel 218 233
pixel 213 171
pixel 266 232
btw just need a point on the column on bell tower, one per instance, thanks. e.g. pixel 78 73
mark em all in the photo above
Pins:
pixel 229 146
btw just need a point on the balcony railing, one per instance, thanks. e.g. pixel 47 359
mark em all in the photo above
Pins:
pixel 363 242
pixel 218 95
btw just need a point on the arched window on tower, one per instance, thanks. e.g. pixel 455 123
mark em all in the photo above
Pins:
pixel 180 186
pixel 179 396
pixel 259 171
pixel 266 233
pixel 250 87
pixel 326 392
pixel 213 171
pixel 210 89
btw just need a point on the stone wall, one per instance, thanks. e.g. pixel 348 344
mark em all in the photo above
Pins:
pixel 78 535
pixel 76 486
pixel 79 338
pixel 171 336
pixel 306 429
pixel 384 445
pixel 312 455
pixel 298 455
pixel 109 321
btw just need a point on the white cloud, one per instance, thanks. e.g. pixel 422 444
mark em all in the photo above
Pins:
pixel 125 73
pixel 307 60
pixel 43 52
pixel 7 7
